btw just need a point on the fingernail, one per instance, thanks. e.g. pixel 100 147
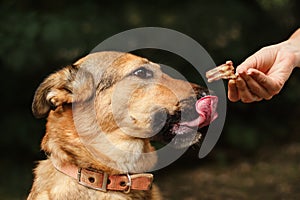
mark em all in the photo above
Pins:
pixel 231 82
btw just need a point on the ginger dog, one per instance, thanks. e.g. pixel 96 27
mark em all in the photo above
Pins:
pixel 102 111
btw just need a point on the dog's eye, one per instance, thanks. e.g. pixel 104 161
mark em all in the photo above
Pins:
pixel 143 73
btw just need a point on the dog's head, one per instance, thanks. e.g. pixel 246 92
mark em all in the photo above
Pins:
pixel 125 98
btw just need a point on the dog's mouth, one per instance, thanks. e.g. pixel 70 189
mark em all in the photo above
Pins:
pixel 183 128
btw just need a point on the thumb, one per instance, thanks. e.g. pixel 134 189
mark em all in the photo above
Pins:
pixel 262 60
pixel 250 62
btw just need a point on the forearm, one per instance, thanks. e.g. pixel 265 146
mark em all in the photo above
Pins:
pixel 294 41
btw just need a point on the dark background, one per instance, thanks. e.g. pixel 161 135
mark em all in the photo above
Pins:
pixel 39 37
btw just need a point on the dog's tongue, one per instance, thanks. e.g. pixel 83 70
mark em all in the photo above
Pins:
pixel 206 108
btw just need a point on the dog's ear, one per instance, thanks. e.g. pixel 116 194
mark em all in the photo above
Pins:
pixel 67 85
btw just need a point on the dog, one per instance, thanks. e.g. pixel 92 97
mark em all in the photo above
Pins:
pixel 102 113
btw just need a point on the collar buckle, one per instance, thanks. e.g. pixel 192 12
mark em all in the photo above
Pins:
pixel 128 184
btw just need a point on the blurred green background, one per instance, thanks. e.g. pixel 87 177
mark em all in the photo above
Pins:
pixel 39 37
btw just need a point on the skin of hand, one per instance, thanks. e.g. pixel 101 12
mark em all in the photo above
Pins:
pixel 262 75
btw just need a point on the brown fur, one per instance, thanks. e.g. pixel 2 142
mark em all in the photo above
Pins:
pixel 95 97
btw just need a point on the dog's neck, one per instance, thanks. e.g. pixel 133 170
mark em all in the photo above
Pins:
pixel 128 155
pixel 104 157
pixel 113 176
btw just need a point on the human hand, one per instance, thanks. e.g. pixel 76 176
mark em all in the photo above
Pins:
pixel 262 75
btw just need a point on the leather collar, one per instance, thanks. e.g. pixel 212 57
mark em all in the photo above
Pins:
pixel 99 180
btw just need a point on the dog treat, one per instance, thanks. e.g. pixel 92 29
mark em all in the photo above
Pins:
pixel 224 71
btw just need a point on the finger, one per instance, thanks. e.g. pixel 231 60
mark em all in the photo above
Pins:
pixel 244 93
pixel 255 88
pixel 233 94
pixel 266 82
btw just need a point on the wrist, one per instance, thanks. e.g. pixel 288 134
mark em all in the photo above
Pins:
pixel 296 35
